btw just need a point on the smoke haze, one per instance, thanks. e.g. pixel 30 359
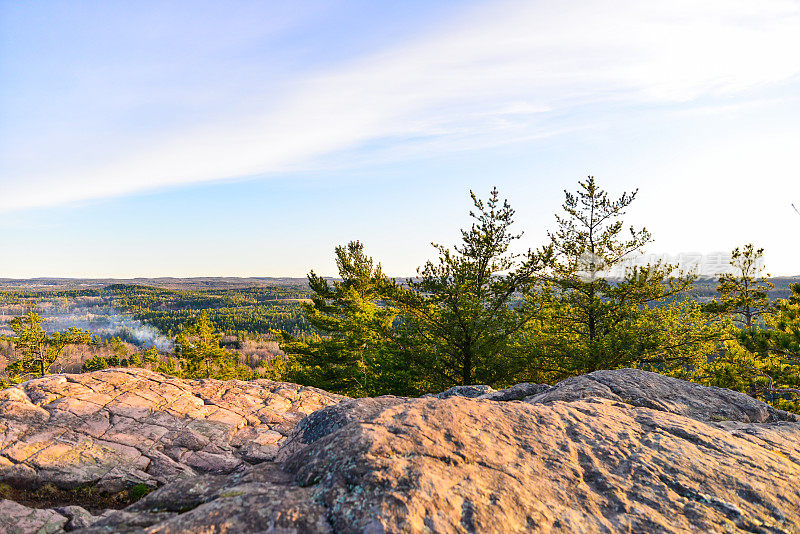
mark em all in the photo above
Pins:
pixel 103 321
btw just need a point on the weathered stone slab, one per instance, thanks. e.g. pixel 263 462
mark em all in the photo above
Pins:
pixel 118 427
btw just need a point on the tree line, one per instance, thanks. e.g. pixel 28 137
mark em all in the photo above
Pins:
pixel 481 313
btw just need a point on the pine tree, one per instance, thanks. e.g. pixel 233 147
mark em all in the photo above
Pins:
pixel 39 349
pixel 744 310
pixel 96 363
pixel 785 326
pixel 744 293
pixel 461 308
pixel 355 351
pixel 599 314
pixel 199 347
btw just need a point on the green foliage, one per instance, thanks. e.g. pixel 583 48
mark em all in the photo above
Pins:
pixel 589 238
pixel 460 307
pixel 253 309
pixel 169 367
pixel 777 354
pixel 785 336
pixel 118 347
pixel 480 313
pixel 39 349
pixel 94 364
pixel 589 320
pixel 357 353
pixel 451 325
pixel 275 369
pixel 757 356
pixel 744 294
pixel 477 313
pixel 199 348
pixel 151 357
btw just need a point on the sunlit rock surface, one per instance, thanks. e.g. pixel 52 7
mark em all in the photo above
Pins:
pixel 613 451
pixel 119 427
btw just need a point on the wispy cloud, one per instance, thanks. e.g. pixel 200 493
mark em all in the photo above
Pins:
pixel 495 74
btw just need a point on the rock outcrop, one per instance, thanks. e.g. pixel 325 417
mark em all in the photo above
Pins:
pixel 612 451
pixel 115 428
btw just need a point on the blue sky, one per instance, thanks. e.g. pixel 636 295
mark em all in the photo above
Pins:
pixel 250 138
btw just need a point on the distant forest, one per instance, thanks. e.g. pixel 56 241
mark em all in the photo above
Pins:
pixel 139 324
pixel 246 309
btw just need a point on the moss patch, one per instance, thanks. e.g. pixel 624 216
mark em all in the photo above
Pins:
pixel 88 497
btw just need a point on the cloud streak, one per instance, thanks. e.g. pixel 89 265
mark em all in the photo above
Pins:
pixel 496 74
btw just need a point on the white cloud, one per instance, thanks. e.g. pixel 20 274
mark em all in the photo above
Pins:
pixel 493 75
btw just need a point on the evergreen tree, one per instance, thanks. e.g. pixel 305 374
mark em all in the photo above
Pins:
pixel 461 310
pixel 785 326
pixel 151 357
pixel 39 349
pixel 599 314
pixel 94 364
pixel 199 347
pixel 169 367
pixel 744 294
pixel 354 352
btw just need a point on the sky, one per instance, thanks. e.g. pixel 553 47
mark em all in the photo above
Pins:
pixel 197 138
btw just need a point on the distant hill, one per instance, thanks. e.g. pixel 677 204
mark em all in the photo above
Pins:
pixel 166 282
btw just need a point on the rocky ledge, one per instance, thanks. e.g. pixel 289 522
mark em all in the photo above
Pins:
pixel 612 451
